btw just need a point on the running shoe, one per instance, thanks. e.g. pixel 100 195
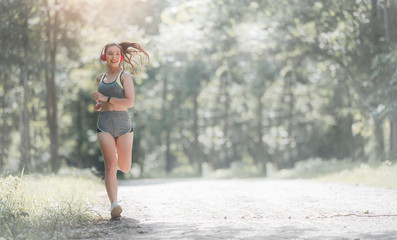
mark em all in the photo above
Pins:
pixel 115 211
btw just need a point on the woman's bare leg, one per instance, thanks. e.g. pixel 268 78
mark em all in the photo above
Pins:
pixel 107 144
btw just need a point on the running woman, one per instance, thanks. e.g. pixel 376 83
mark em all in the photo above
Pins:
pixel 114 96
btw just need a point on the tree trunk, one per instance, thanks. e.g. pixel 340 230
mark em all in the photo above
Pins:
pixel 379 138
pixel 374 8
pixel 24 99
pixel 79 128
pixel 393 140
pixel 226 110
pixel 51 49
pixel 3 133
pixel 197 157
pixel 352 145
pixel 373 22
pixel 390 20
pixel 261 157
pixel 4 125
pixel 212 155
pixel 168 156
pixel 166 130
pixel 290 114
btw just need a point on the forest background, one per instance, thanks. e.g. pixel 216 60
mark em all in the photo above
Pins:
pixel 241 84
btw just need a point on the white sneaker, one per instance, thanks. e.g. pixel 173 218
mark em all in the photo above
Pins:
pixel 115 210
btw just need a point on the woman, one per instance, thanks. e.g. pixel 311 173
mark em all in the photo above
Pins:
pixel 114 96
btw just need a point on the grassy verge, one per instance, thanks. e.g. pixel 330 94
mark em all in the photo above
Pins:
pixel 383 175
pixel 46 207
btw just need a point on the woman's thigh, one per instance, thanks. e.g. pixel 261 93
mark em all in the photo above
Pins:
pixel 108 147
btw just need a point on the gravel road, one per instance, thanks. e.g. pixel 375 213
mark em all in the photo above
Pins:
pixel 250 209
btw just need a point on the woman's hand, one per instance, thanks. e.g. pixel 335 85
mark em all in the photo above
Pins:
pixel 99 97
pixel 98 106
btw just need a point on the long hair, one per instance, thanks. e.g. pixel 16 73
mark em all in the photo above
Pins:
pixel 133 53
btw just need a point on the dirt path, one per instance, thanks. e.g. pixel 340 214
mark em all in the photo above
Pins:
pixel 251 209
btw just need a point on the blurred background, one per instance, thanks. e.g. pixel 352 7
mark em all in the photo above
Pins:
pixel 255 86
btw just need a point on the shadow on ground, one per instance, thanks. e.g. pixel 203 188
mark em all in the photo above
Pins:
pixel 128 228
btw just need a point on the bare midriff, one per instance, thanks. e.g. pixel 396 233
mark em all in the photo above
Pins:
pixel 110 107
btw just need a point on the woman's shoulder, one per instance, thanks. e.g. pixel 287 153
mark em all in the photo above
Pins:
pixel 125 75
pixel 99 76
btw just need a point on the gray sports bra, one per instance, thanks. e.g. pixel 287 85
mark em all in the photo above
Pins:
pixel 113 89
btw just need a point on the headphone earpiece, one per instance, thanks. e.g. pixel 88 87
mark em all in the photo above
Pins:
pixel 122 58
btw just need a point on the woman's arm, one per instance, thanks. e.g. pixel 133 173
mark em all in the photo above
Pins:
pixel 98 105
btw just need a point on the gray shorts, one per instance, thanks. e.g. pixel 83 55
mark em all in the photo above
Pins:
pixel 117 123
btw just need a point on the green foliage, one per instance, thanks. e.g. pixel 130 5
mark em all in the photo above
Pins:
pixel 271 81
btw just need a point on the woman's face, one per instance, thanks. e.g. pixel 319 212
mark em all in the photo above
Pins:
pixel 113 56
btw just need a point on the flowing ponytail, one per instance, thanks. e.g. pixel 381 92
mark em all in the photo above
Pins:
pixel 133 53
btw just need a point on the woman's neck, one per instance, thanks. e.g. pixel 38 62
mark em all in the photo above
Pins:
pixel 113 70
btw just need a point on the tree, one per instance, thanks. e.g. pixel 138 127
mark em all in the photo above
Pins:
pixel 60 18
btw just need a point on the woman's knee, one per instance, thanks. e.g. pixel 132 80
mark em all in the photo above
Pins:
pixel 111 165
pixel 125 166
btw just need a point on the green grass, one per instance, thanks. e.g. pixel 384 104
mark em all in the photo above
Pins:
pixel 382 175
pixel 46 206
